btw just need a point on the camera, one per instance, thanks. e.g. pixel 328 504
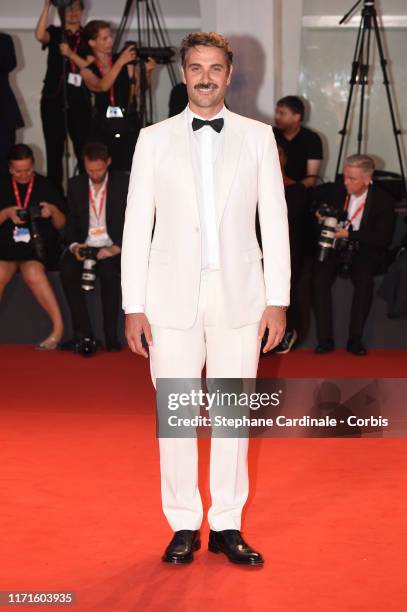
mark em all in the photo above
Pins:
pixel 332 216
pixel 89 267
pixel 345 250
pixel 86 347
pixel 29 217
pixel 162 55
pixel 61 4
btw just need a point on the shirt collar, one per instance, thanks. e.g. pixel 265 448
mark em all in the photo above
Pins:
pixel 191 115
pixel 91 186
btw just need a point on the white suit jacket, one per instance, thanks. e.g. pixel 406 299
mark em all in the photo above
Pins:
pixel 163 273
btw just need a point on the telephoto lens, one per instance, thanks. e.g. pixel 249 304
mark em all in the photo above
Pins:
pixel 89 267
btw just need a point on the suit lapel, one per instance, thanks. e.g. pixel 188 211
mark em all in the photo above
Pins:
pixel 368 206
pixel 182 159
pixel 232 146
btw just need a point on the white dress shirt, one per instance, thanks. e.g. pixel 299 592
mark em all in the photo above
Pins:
pixel 354 203
pixel 95 221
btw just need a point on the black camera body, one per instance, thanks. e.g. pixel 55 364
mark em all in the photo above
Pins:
pixel 89 267
pixel 61 4
pixel 332 216
pixel 29 218
pixel 162 55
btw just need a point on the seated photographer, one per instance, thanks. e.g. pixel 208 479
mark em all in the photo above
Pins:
pixel 297 212
pixel 357 221
pixel 303 146
pixel 116 82
pixel 96 209
pixel 30 219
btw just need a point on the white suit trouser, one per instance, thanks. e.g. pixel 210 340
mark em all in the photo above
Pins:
pixel 229 353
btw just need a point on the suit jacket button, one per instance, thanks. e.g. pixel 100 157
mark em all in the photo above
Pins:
pixel 197 230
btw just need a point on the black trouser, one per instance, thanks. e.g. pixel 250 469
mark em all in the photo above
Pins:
pixel 7 139
pixel 362 277
pixel 297 254
pixel 108 271
pixel 53 125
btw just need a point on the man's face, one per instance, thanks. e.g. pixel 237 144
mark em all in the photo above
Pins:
pixel 207 75
pixel 22 169
pixel 73 14
pixel 356 180
pixel 103 42
pixel 285 118
pixel 96 170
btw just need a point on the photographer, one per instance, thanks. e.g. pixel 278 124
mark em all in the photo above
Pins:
pixel 52 100
pixel 96 209
pixel 10 116
pixel 115 80
pixel 30 217
pixel 359 247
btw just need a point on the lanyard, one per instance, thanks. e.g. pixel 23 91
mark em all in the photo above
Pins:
pixel 357 211
pixel 75 47
pixel 27 195
pixel 101 202
pixel 102 71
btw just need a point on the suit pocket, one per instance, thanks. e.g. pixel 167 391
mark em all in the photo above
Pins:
pixel 252 255
pixel 158 256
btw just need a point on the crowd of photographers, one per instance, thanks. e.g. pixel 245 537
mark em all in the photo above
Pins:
pixel 343 228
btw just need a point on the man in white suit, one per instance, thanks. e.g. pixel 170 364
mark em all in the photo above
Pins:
pixel 197 289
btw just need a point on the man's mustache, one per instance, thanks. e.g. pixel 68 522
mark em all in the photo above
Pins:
pixel 206 86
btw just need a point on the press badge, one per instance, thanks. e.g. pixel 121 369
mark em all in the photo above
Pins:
pixel 114 112
pixel 21 234
pixel 98 233
pixel 74 79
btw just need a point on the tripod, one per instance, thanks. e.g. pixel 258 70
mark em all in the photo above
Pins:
pixel 152 27
pixel 360 76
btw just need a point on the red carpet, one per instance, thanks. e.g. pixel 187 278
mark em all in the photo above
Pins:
pixel 81 503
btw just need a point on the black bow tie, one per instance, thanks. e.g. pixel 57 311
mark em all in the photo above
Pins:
pixel 216 124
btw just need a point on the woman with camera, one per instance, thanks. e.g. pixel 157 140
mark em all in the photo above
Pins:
pixel 30 219
pixel 79 110
pixel 115 80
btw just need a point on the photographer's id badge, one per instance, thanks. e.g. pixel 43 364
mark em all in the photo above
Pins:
pixel 21 234
pixel 114 112
pixel 74 79
pixel 98 235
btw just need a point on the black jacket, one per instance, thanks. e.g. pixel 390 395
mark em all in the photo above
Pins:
pixel 77 226
pixel 9 112
pixel 377 225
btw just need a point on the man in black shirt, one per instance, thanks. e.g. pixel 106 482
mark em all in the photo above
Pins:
pixel 10 116
pixel 303 146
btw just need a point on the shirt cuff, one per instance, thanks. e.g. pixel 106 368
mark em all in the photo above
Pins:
pixel 134 309
pixel 276 303
pixel 71 246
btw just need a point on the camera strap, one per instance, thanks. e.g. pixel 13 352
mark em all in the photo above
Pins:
pixel 102 200
pixel 356 213
pixel 27 195
pixel 74 42
pixel 112 97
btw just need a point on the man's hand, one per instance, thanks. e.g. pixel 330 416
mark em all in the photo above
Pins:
pixel 65 50
pixel 11 213
pixel 341 232
pixel 136 325
pixel 47 210
pixel 76 253
pixel 273 319
pixel 106 252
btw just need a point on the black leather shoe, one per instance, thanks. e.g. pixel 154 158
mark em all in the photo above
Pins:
pixel 231 543
pixel 356 348
pixel 324 347
pixel 182 546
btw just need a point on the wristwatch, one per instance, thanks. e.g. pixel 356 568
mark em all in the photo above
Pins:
pixel 278 306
